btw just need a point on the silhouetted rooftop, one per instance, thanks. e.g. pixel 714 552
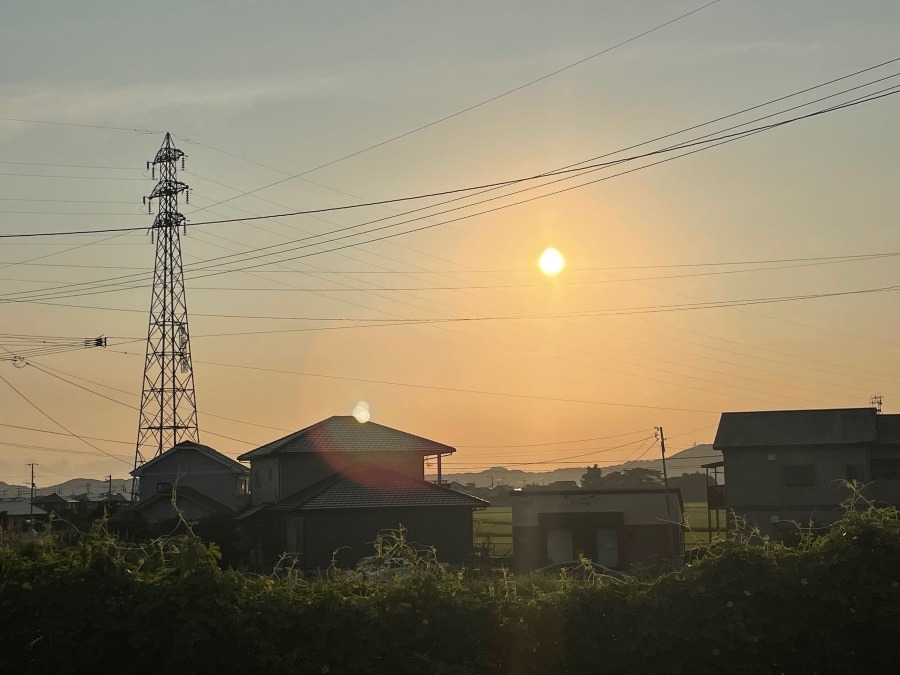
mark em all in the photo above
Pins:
pixel 346 434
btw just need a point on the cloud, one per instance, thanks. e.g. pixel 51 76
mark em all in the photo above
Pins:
pixel 80 102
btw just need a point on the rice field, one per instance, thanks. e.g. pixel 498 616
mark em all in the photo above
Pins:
pixel 493 527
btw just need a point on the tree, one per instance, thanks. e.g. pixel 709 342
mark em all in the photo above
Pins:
pixel 592 477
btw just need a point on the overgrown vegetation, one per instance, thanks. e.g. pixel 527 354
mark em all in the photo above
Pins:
pixel 829 603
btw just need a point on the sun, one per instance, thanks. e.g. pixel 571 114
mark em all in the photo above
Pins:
pixel 551 262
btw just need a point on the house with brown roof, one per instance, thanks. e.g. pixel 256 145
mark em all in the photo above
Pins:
pixel 791 466
pixel 204 483
pixel 325 492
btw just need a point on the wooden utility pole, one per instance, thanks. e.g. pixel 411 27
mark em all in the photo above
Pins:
pixel 662 447
pixel 31 501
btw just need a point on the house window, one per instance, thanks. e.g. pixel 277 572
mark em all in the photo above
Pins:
pixel 242 486
pixel 856 472
pixel 163 487
pixel 886 469
pixel 796 475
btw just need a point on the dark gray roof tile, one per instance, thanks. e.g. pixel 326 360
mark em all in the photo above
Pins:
pixel 774 428
pixel 345 434
pixel 369 486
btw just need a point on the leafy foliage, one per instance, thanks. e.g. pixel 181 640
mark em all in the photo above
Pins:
pixel 829 603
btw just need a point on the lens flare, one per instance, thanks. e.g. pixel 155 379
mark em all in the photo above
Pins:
pixel 362 412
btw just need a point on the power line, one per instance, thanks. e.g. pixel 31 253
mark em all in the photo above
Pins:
pixel 59 372
pixel 477 105
pixel 453 389
pixel 60 433
pixel 575 170
pixel 83 126
pixel 57 423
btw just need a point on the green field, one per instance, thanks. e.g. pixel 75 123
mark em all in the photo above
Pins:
pixel 493 526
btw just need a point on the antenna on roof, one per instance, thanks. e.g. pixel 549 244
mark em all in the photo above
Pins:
pixel 875 402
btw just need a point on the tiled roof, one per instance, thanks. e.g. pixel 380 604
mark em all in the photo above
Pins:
pixel 235 467
pixel 188 494
pixel 841 426
pixel 369 486
pixel 345 434
pixel 54 498
pixel 20 507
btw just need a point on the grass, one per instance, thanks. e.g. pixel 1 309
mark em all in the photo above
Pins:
pixel 697 525
pixel 493 526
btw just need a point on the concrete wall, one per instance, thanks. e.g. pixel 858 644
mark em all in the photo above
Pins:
pixel 638 508
pixel 637 522
pixel 189 468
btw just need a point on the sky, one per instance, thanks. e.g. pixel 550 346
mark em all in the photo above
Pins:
pixel 317 105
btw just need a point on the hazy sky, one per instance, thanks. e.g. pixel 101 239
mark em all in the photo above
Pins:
pixel 255 92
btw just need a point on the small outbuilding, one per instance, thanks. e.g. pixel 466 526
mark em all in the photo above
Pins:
pixel 615 528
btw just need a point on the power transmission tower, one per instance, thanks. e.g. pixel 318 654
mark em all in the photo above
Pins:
pixel 168 403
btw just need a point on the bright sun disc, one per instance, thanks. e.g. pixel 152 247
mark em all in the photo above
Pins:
pixel 551 262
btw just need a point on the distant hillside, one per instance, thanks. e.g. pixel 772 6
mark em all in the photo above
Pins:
pixel 686 461
pixel 75 486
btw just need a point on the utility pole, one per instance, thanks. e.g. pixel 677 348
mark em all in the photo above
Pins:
pixel 168 403
pixel 662 447
pixel 31 502
pixel 109 492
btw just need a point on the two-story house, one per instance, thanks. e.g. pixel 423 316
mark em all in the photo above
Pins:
pixel 204 481
pixel 786 466
pixel 324 493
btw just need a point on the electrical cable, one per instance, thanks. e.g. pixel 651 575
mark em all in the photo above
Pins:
pixel 57 423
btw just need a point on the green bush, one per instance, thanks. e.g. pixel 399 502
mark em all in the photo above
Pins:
pixel 827 604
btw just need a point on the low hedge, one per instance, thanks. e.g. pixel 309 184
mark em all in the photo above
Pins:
pixel 828 604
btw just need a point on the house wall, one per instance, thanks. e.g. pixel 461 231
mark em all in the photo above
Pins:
pixel 300 470
pixel 264 480
pixel 886 475
pixel 163 510
pixel 297 471
pixel 757 484
pixel 351 532
pixel 189 468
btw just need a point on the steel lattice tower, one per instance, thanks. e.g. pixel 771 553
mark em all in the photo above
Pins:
pixel 168 403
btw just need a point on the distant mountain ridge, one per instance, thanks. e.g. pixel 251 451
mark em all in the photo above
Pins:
pixel 75 486
pixel 686 461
